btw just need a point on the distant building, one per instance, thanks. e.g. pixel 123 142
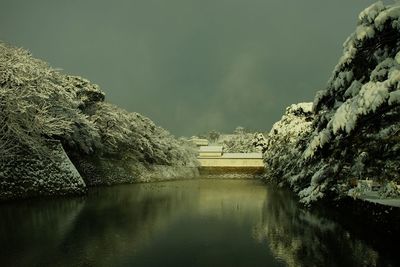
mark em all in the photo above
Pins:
pixel 199 142
pixel 231 160
pixel 210 151
pixel 214 157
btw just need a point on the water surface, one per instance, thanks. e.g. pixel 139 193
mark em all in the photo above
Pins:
pixel 180 223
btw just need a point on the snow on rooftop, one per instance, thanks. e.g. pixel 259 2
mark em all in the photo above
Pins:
pixel 255 155
pixel 211 149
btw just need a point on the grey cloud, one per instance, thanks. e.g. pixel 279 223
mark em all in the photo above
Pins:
pixel 190 65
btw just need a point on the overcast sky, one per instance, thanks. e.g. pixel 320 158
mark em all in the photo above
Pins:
pixel 190 65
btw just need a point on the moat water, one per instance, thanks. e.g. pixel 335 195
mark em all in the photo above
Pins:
pixel 180 223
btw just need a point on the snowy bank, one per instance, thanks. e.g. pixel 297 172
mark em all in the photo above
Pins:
pixel 40 105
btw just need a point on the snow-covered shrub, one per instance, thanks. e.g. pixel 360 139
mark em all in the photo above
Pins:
pixel 124 132
pixel 260 142
pixel 240 141
pixel 390 190
pixel 285 144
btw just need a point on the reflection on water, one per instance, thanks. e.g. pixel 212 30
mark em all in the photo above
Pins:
pixel 181 223
pixel 301 238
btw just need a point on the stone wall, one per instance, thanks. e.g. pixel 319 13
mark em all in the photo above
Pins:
pixel 31 175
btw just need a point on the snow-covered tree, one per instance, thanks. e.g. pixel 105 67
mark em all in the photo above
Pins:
pixel 40 107
pixel 285 142
pixel 239 130
pixel 354 132
pixel 239 142
pixel 213 135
